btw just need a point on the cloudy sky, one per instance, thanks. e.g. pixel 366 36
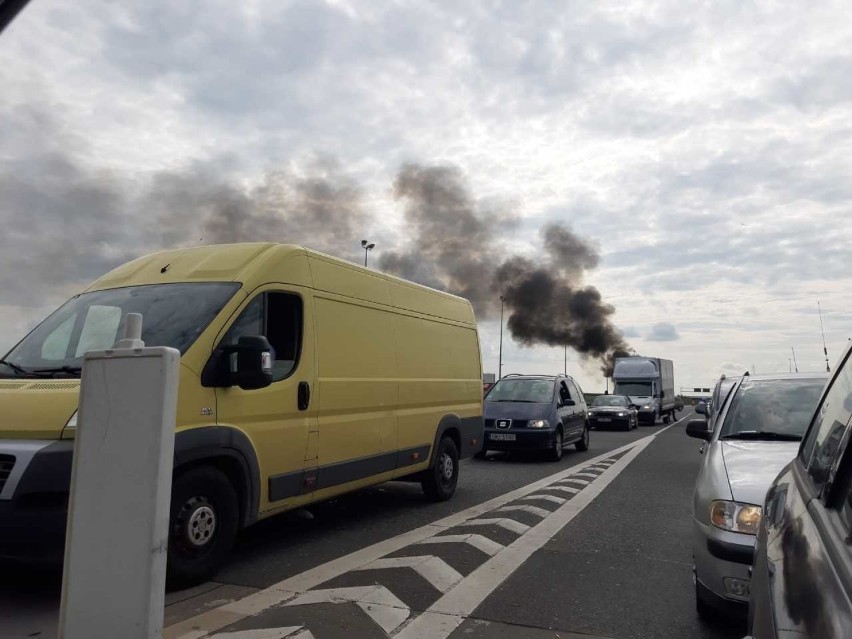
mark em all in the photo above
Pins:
pixel 700 150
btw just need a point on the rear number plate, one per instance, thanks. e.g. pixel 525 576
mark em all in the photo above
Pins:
pixel 502 437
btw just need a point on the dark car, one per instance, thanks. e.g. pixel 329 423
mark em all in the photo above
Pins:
pixel 535 412
pixel 802 574
pixel 613 411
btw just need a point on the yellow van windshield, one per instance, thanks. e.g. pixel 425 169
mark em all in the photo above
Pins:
pixel 172 315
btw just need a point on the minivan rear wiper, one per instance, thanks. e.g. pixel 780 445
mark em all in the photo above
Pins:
pixel 763 435
pixel 73 371
pixel 14 367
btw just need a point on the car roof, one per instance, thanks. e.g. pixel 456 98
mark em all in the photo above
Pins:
pixel 773 376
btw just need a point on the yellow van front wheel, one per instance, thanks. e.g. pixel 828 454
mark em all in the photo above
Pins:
pixel 202 526
pixel 440 481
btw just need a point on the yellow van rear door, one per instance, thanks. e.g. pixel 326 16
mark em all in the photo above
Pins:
pixel 281 419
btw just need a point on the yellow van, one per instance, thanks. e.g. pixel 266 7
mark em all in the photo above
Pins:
pixel 302 377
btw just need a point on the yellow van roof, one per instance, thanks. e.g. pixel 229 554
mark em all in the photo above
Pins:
pixel 261 262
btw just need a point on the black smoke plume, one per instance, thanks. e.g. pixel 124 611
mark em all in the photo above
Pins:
pixel 455 245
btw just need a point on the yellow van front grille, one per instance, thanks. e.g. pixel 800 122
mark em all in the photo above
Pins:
pixel 39 385
pixel 12 385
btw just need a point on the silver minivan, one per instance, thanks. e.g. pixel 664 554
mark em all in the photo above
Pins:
pixel 755 431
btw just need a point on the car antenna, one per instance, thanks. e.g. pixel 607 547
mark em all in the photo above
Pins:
pixel 824 347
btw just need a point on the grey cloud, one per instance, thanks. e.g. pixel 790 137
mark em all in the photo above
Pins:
pixel 663 332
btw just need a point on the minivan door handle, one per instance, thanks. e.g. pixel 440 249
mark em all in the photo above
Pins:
pixel 304 398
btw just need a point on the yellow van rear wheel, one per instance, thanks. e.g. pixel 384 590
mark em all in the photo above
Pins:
pixel 203 525
pixel 440 481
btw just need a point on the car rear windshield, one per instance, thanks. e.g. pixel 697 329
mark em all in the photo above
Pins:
pixel 172 315
pixel 539 391
pixel 775 406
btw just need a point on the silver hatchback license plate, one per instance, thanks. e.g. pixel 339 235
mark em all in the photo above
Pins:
pixel 502 437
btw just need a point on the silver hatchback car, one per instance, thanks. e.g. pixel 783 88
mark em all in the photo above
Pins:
pixel 754 433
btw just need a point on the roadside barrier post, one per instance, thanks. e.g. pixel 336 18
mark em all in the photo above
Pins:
pixel 117 536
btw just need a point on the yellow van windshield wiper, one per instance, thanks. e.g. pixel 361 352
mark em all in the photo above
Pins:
pixel 73 371
pixel 14 367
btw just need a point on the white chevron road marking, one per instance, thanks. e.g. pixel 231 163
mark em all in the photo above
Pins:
pixel 571 490
pixel 589 475
pixel 551 498
pixel 508 524
pixel 433 569
pixel 486 545
pixel 574 480
pixel 445 615
pixel 377 601
pixel 208 622
pixel 267 633
pixel 534 510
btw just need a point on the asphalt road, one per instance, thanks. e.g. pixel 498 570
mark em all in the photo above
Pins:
pixel 597 545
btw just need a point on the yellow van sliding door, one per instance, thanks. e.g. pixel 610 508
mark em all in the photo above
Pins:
pixel 280 429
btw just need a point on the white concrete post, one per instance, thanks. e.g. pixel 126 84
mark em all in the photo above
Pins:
pixel 117 535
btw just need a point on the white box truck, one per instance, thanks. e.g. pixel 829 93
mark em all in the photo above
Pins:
pixel 649 383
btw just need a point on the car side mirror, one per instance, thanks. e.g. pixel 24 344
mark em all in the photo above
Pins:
pixel 247 364
pixel 570 402
pixel 698 428
pixel 701 408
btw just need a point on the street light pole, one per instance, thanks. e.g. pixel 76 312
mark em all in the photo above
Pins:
pixel 500 366
pixel 566 359
pixel 367 246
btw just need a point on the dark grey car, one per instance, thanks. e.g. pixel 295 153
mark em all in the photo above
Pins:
pixel 802 573
pixel 535 412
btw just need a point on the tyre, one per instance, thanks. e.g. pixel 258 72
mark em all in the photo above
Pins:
pixel 203 524
pixel 555 453
pixel 583 443
pixel 629 426
pixel 666 418
pixel 440 481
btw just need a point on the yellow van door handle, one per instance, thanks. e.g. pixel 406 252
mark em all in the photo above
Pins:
pixel 304 398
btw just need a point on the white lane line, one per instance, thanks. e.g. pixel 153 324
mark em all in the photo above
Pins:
pixel 550 498
pixel 533 510
pixel 305 634
pixel 265 633
pixel 446 614
pixel 508 524
pixel 377 601
pixel 433 569
pixel 486 545
pixel 203 624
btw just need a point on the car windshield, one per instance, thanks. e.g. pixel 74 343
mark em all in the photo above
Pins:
pixel 609 400
pixel 639 389
pixel 172 315
pixel 538 391
pixel 772 409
